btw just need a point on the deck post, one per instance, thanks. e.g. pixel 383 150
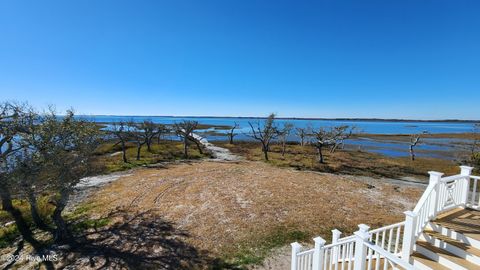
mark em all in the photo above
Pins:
pixel 335 236
pixel 465 171
pixel 361 236
pixel 435 178
pixel 409 235
pixel 318 253
pixel 296 247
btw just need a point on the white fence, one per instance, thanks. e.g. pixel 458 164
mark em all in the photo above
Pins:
pixel 390 247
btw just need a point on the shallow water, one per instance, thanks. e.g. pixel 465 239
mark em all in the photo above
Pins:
pixel 373 127
pixel 428 147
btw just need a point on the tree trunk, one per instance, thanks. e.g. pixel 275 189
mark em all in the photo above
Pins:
pixel 185 147
pixel 284 146
pixel 320 154
pixel 149 145
pixel 265 151
pixel 231 138
pixel 198 144
pixel 412 153
pixel 124 152
pixel 37 219
pixel 20 222
pixel 139 148
pixel 62 233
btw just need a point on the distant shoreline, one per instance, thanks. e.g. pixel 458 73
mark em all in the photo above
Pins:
pixel 297 118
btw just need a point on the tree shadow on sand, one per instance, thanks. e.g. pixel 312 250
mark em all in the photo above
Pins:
pixel 135 241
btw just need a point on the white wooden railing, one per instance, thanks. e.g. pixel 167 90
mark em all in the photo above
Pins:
pixel 473 199
pixel 390 247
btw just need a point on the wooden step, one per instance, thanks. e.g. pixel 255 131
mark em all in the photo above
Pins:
pixel 422 262
pixel 465 221
pixel 454 246
pixel 444 257
pixel 459 244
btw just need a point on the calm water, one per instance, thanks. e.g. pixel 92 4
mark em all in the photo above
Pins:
pixel 428 147
pixel 374 127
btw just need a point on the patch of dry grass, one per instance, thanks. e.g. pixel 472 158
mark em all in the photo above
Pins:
pixel 233 210
pixel 345 162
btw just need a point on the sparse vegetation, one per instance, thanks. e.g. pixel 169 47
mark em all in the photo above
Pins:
pixel 345 162
pixel 265 133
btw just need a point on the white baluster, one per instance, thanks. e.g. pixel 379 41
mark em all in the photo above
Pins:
pixel 465 171
pixel 361 236
pixel 409 234
pixel 296 247
pixel 435 178
pixel 318 253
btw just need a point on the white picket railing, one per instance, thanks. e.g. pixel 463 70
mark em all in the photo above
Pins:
pixel 389 237
pixel 390 247
pixel 473 200
pixel 378 258
pixel 339 255
pixel 441 195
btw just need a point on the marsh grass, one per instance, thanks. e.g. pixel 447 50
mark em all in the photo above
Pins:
pixel 345 161
pixel 109 156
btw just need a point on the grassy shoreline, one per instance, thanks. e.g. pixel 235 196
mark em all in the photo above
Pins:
pixel 352 162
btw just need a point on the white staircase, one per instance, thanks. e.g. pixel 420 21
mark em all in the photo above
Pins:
pixel 442 232
pixel 450 242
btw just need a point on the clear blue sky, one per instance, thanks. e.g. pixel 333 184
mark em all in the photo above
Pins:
pixel 405 59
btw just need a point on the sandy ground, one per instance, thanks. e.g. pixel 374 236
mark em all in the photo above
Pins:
pixel 219 153
pixel 220 204
pixel 184 215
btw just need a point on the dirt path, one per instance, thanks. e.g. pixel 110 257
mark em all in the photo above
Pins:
pixel 219 153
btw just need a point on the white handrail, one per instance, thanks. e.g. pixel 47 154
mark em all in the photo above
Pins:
pixel 424 198
pixel 452 178
pixel 387 256
pixel 442 194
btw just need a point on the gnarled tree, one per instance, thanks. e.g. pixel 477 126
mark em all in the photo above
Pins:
pixel 324 137
pixel 185 130
pixel 122 131
pixel 231 133
pixel 303 133
pixel 65 145
pixel 414 140
pixel 264 133
pixel 283 134
pixel 12 127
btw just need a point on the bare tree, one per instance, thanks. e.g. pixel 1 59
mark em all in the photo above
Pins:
pixel 138 135
pixel 283 134
pixel 341 133
pixel 265 134
pixel 231 132
pixel 122 131
pixel 185 130
pixel 149 130
pixel 414 140
pixel 303 133
pixel 324 137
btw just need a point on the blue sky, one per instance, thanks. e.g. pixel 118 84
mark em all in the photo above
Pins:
pixel 386 59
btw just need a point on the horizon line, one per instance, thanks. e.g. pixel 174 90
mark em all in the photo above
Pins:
pixel 374 119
